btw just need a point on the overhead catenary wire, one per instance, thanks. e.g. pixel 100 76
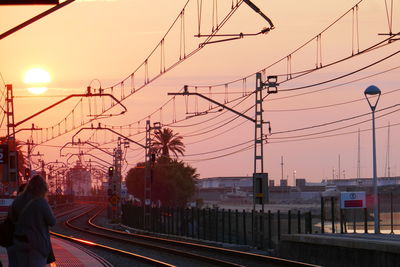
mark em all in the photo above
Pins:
pixel 222 156
pixel 276 141
pixel 303 72
pixel 334 86
pixel 327 136
pixel 332 122
pixel 336 129
pixel 330 80
pixel 340 76
pixel 148 79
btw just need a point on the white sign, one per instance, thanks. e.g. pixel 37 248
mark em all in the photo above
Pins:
pixel 5 203
pixel 352 200
pixel 3 154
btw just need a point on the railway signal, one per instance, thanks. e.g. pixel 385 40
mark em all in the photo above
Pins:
pixel 110 171
pixel 27 173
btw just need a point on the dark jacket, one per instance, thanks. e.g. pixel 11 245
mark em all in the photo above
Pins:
pixel 34 222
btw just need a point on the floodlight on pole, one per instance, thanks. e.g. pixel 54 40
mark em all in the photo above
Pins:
pixel 372 94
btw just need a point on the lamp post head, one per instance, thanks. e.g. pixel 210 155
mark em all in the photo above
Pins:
pixel 372 93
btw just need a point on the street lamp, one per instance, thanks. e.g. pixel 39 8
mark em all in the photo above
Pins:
pixel 372 94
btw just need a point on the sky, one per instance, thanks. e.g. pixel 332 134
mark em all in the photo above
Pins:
pixel 100 43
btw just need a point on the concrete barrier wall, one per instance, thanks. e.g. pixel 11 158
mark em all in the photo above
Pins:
pixel 334 250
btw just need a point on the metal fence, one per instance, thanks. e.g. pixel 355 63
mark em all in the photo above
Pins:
pixel 256 229
pixel 336 220
pixel 264 230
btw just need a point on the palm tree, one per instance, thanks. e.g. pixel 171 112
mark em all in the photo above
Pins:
pixel 166 141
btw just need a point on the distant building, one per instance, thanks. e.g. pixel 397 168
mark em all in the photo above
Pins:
pixel 359 184
pixel 78 181
pixel 240 190
pixel 216 189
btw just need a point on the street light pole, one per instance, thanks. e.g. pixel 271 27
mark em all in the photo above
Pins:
pixel 373 91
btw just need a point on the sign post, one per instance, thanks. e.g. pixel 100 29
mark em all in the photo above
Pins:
pixel 352 200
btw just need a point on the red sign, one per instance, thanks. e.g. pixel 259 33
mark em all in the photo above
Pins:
pixel 353 203
pixel 352 200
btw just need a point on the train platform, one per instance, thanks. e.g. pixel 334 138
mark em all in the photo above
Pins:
pixel 67 254
pixel 343 249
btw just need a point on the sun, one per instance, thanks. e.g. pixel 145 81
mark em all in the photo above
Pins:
pixel 37 78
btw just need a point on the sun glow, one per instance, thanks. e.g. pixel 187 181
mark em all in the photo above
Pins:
pixel 37 78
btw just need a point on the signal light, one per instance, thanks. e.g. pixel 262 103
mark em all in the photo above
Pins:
pixel 111 171
pixel 27 173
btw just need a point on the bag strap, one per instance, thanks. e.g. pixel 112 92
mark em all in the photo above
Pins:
pixel 26 207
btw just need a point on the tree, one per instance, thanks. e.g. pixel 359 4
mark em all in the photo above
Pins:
pixel 166 141
pixel 173 182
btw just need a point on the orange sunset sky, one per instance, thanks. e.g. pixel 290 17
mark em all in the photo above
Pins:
pixel 100 43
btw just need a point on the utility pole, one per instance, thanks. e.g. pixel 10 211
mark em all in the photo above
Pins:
pixel 149 162
pixel 116 180
pixel 147 179
pixel 11 176
pixel 358 156
pixel 281 169
pixel 30 148
pixel 260 179
pixel 387 163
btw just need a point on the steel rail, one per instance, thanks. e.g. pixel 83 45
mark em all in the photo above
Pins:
pixel 137 257
pixel 230 252
pixel 115 250
pixel 151 246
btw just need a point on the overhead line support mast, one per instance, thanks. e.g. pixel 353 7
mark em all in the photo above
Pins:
pixel 260 179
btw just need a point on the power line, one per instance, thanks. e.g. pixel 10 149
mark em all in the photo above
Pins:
pixel 224 155
pixel 337 85
pixel 332 130
pixel 219 150
pixel 144 66
pixel 329 136
pixel 341 76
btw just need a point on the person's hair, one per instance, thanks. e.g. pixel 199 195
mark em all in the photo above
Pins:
pixel 37 186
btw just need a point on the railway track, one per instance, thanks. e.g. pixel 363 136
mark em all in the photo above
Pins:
pixel 134 257
pixel 155 250
pixel 173 256
pixel 201 254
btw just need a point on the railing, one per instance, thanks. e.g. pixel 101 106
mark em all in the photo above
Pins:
pixel 220 225
pixel 263 230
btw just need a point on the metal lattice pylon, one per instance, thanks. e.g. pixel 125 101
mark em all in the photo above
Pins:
pixel 12 168
pixel 147 179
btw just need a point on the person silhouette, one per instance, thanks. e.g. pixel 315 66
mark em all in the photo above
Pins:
pixel 11 254
pixel 32 217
